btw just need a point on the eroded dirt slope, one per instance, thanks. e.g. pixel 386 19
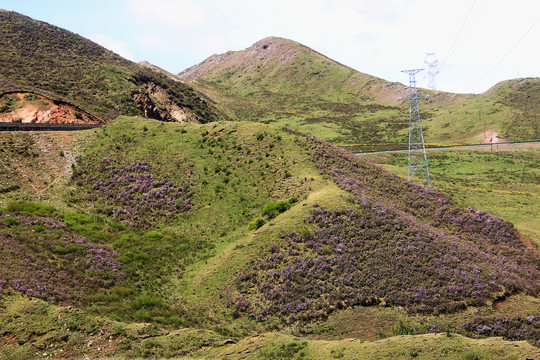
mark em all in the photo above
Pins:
pixel 20 107
pixel 36 163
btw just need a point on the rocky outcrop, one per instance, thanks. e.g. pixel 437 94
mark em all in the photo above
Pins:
pixel 147 106
pixel 155 103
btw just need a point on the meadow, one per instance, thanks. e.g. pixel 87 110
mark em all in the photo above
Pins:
pixel 502 180
pixel 201 236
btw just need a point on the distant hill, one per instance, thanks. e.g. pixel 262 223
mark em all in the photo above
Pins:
pixel 45 59
pixel 281 81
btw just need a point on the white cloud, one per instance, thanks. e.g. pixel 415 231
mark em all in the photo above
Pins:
pixel 169 14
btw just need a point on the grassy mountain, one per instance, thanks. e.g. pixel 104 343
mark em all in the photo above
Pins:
pixel 213 233
pixel 147 239
pixel 281 81
pixel 42 58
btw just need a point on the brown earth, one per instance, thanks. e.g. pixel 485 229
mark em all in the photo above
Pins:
pixel 23 107
pixel 37 163
pixel 256 56
pixel 491 137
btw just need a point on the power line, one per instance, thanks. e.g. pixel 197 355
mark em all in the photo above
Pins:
pixel 476 19
pixel 507 53
pixel 458 34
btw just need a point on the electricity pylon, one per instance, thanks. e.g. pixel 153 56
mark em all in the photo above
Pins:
pixel 417 150
pixel 432 63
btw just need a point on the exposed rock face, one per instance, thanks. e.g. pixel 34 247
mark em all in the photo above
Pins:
pixel 158 105
pixel 32 108
pixel 147 106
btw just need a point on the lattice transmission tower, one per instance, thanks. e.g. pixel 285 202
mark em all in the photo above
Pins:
pixel 433 69
pixel 417 150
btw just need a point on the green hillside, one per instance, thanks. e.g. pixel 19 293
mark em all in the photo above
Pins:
pixel 189 238
pixel 43 58
pixel 503 180
pixel 283 82
pixel 195 237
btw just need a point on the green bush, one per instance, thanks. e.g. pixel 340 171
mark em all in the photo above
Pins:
pixel 146 302
pixel 293 200
pixel 153 235
pixel 286 351
pixel 274 208
pixel 9 221
pixel 73 219
pixel 142 315
pixel 257 223
pixel 402 329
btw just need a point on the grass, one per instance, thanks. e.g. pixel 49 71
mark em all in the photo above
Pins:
pixel 503 182
pixel 233 169
pixel 429 346
pixel 162 280
pixel 33 328
pixel 181 270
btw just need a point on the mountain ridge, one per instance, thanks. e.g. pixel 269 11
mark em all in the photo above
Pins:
pixel 281 81
pixel 146 238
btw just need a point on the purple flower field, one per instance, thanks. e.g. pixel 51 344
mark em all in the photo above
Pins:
pixel 402 245
pixel 130 191
pixel 515 329
pixel 40 258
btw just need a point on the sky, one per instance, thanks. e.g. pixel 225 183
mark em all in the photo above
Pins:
pixel 476 43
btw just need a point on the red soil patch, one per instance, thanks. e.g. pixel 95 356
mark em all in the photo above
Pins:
pixel 33 108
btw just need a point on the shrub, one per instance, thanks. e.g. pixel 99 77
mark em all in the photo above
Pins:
pixel 31 97
pixel 143 315
pixel 255 224
pixel 274 208
pixel 154 235
pixel 29 207
pixel 402 329
pixel 146 302
pixel 355 257
pixel 514 329
pixel 131 193
pixel 48 261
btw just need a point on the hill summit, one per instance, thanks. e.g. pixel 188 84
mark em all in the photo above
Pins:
pixel 280 81
pixel 268 51
pixel 283 60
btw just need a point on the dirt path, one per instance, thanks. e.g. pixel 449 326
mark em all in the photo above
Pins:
pixel 491 136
